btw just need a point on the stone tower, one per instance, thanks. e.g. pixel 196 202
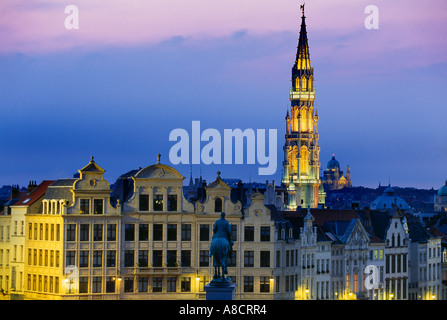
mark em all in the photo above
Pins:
pixel 301 149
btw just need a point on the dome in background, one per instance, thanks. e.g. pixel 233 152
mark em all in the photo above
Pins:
pixel 389 200
pixel 443 190
pixel 332 164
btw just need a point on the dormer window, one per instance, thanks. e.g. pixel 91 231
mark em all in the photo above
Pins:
pixel 98 206
pixel 172 202
pixel 144 202
pixel 158 202
pixel 218 205
pixel 85 206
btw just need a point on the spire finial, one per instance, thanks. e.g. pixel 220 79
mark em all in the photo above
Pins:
pixel 302 7
pixel 92 159
pixel 158 158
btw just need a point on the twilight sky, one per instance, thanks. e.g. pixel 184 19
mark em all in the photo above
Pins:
pixel 136 70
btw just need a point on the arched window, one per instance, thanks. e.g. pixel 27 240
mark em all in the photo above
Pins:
pixel 218 205
pixel 304 161
pixel 304 84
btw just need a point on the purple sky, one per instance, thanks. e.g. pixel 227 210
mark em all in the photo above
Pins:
pixel 133 72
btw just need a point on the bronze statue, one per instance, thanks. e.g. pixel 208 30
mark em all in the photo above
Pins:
pixel 221 249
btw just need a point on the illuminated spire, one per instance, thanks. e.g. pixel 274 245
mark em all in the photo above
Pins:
pixel 302 61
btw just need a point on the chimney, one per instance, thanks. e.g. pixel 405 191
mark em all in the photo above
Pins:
pixel 15 192
pixel 31 186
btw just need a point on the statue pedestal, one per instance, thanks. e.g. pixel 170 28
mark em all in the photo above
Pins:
pixel 220 292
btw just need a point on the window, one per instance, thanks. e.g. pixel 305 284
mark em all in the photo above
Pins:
pixel 278 258
pixel 111 258
pixel 84 232
pixel 157 258
pixel 71 232
pixel 83 259
pixel 185 284
pixel 248 283
pixel 234 232
pixel 218 205
pixel 231 261
pixel 158 202
pixel 249 259
pixel 186 258
pixel 202 282
pixel 204 232
pixel 97 258
pixel 143 258
pixel 393 263
pixel 144 202
pixel 172 232
pixel 30 232
pixel 265 259
pixel 171 284
pixel 171 258
pixel 158 232
pixel 110 285
pixel 83 285
pixel 111 232
pixel 265 233
pixel 387 263
pixel 97 285
pixel 98 206
pixel 129 232
pixel 157 284
pixel 172 202
pixel 249 234
pixel 129 258
pixel 70 258
pixel 128 284
pixel 85 206
pixel 143 232
pixel 186 232
pixel 143 284
pixel 264 284
pixel 204 258
pixel 97 232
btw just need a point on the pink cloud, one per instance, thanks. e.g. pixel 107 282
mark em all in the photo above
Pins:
pixel 404 25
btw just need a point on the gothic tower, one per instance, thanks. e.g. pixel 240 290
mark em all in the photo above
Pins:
pixel 301 149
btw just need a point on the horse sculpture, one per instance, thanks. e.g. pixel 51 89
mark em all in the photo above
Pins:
pixel 221 248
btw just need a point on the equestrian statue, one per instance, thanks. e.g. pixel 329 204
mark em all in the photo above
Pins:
pixel 221 249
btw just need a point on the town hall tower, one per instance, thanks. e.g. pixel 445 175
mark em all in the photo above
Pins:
pixel 301 149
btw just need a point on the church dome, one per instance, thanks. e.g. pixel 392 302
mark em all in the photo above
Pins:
pixel 332 164
pixel 443 190
pixel 389 191
pixel 389 200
